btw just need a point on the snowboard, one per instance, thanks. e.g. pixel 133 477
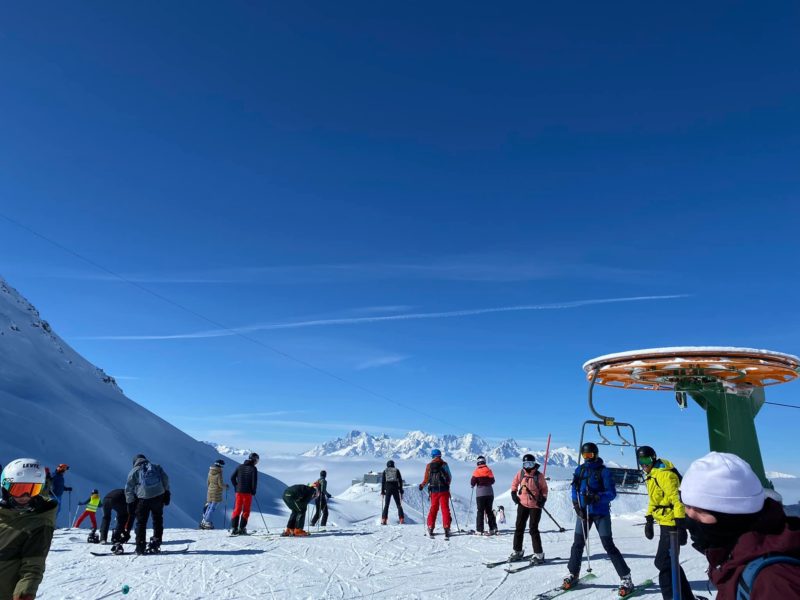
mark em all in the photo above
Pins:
pixel 183 550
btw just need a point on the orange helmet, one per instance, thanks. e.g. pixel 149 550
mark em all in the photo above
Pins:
pixel 61 468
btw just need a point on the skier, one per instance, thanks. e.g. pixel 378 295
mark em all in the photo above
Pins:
pixel 500 515
pixel 27 520
pixel 214 495
pixel 114 501
pixel 482 480
pixel 438 478
pixel 665 507
pixel 392 487
pixel 593 490
pixel 92 503
pixel 59 486
pixel 322 500
pixel 296 498
pixel 245 482
pixel 147 492
pixel 529 493
pixel 740 528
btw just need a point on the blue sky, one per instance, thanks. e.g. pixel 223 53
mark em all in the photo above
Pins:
pixel 300 172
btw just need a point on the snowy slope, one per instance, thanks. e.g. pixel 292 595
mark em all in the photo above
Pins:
pixel 58 407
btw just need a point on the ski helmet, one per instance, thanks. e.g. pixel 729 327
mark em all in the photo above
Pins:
pixel 481 460
pixel 589 448
pixel 390 463
pixel 254 457
pixel 62 468
pixel 323 473
pixel 645 455
pixel 23 476
pixel 528 457
pixel 137 457
pixel 219 462
pixel 436 452
pixel 95 491
pixel 500 507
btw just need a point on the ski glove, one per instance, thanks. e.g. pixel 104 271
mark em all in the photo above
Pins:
pixel 514 497
pixel 578 510
pixel 167 497
pixel 591 499
pixel 421 485
pixel 541 501
pixel 67 489
pixel 683 538
pixel 81 503
pixel 648 527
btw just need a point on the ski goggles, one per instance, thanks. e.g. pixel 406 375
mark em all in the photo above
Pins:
pixel 646 461
pixel 528 464
pixel 17 490
pixel 588 455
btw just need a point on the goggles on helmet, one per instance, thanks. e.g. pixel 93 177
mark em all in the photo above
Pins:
pixel 588 455
pixel 17 490
pixel 646 461
pixel 528 464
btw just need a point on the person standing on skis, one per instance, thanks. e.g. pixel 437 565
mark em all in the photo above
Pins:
pixel 216 485
pixel 593 489
pixel 59 486
pixel 296 498
pixel 92 503
pixel 482 481
pixel 438 478
pixel 147 492
pixel 321 502
pixel 392 487
pixel 665 508
pixel 245 482
pixel 529 493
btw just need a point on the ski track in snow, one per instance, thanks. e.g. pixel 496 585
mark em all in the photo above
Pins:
pixel 362 561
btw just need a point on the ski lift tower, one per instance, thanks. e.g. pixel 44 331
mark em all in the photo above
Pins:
pixel 728 383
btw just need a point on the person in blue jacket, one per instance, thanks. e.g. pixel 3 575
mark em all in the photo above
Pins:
pixel 593 490
pixel 59 487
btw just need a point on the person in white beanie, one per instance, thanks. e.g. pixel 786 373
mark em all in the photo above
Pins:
pixel 752 547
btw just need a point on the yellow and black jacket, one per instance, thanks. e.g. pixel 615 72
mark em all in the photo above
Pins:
pixel 662 487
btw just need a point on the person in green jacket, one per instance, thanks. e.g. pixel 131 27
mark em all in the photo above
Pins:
pixel 296 498
pixel 27 520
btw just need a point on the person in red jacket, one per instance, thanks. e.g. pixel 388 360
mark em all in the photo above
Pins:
pixel 438 478
pixel 735 524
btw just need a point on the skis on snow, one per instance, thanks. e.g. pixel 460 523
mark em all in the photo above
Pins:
pixel 492 565
pixel 557 591
pixel 530 564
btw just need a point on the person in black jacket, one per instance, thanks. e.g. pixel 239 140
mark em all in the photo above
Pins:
pixel 391 487
pixel 245 481
pixel 322 500
pixel 296 498
pixel 114 501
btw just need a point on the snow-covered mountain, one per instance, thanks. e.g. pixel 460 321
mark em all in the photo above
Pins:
pixel 59 408
pixel 418 444
pixel 238 454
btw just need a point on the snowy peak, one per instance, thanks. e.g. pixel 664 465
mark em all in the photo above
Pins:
pixel 230 451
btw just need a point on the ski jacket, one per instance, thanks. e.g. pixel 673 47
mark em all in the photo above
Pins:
pixel 298 496
pixel 393 483
pixel 529 488
pixel 92 503
pixel 116 498
pixel 592 478
pixel 245 478
pixel 146 480
pixel 482 480
pixel 58 485
pixel 437 476
pixel 662 489
pixel 215 484
pixel 25 537
pixel 772 533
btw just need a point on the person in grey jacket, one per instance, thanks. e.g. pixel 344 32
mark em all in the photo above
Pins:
pixel 147 492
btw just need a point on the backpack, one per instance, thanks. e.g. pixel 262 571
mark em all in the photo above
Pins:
pixel 438 477
pixel 391 474
pixel 150 475
pixel 594 474
pixel 754 567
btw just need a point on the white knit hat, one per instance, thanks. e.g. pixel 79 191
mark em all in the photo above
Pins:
pixel 723 483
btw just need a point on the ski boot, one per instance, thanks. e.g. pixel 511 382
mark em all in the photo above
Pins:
pixel 300 533
pixel 446 532
pixel 154 547
pixel 235 531
pixel 401 520
pixel 117 549
pixel 569 582
pixel 242 526
pixel 93 538
pixel 515 556
pixel 430 531
pixel 538 559
pixel 493 532
pixel 384 520
pixel 140 548
pixel 626 587
pixel 288 533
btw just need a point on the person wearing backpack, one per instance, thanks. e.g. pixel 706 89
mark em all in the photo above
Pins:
pixel 392 487
pixel 245 482
pixel 215 486
pixel 529 493
pixel 321 503
pixel 593 489
pixel 752 547
pixel 438 478
pixel 147 493
pixel 482 480
pixel 665 508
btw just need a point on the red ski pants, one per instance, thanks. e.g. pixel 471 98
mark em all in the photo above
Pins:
pixel 86 513
pixel 439 499
pixel 242 505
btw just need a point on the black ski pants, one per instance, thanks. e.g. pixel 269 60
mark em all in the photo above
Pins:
pixel 664 566
pixel 530 517
pixel 387 499
pixel 603 525
pixel 297 520
pixel 145 508
pixel 122 519
pixel 321 510
pixel 485 509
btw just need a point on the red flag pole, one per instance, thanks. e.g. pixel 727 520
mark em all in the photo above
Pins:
pixel 546 455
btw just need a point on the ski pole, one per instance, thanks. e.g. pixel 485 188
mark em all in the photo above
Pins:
pixel 674 552
pixel 469 508
pixel 560 528
pixel 585 528
pixel 69 505
pixel 263 520
pixel 455 516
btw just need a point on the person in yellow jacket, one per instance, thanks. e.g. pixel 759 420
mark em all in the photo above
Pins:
pixel 665 508
pixel 92 504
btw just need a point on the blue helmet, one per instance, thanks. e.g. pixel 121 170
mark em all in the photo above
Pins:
pixel 435 452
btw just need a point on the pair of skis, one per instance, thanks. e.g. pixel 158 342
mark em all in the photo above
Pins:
pixel 558 591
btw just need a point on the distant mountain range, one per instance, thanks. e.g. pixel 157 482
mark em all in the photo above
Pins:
pixel 418 444
pixel 235 453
